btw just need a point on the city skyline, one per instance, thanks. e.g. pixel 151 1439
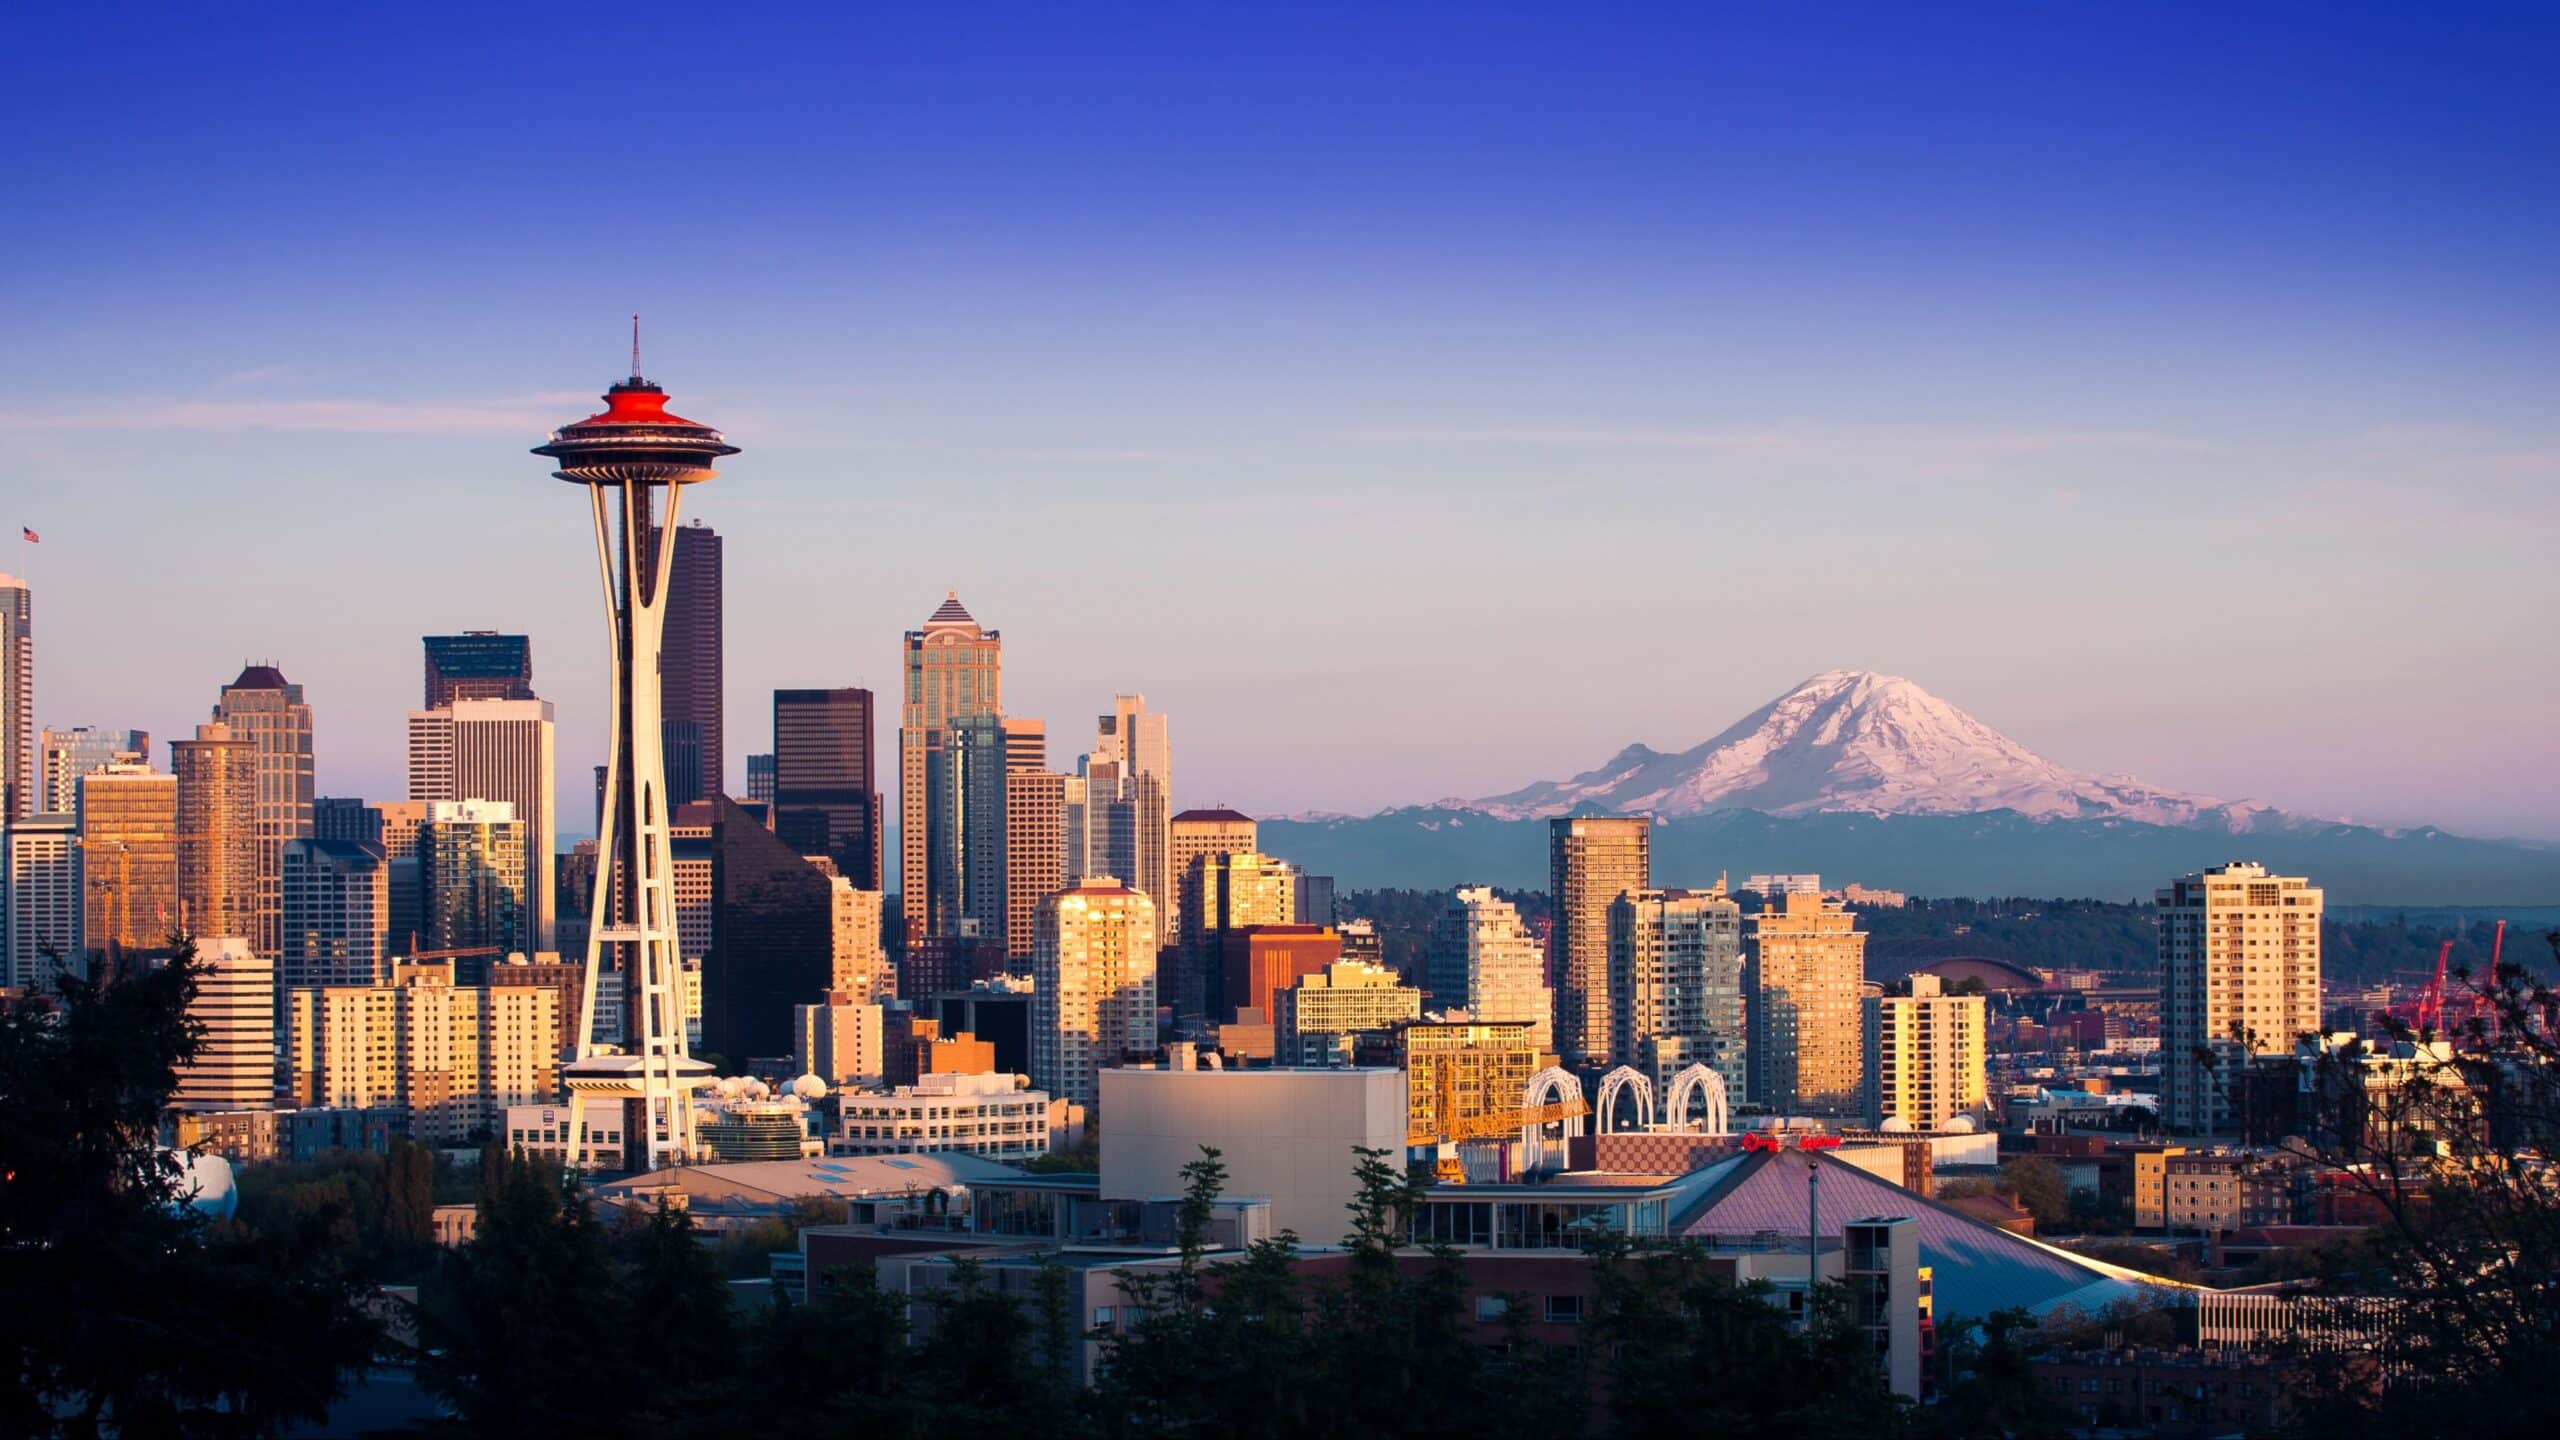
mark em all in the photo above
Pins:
pixel 1441 376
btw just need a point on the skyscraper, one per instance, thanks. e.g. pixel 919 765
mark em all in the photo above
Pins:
pixel 773 938
pixel 40 932
pixel 1093 999
pixel 1806 970
pixel 1591 861
pixel 345 817
pixel 471 877
pixel 337 913
pixel 267 710
pixel 234 1067
pixel 964 835
pixel 2239 976
pixel 1675 985
pixel 760 779
pixel 823 782
pixel 217 835
pixel 1481 959
pixel 1229 893
pixel 1035 856
pixel 1134 739
pixel 690 677
pixel 1924 1054
pixel 1195 833
pixel 477 665
pixel 496 750
pixel 953 670
pixel 66 755
pixel 17 699
pixel 128 859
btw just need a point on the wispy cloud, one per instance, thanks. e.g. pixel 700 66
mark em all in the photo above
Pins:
pixel 517 415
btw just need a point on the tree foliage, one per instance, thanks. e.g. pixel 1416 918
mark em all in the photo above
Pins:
pixel 122 1309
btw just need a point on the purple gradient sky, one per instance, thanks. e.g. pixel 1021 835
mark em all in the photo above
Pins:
pixel 1411 406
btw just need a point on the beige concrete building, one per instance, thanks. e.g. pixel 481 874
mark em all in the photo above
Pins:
pixel 954 670
pixel 987 1116
pixel 1136 744
pixel 2239 976
pixel 128 856
pixel 1285 1136
pixel 235 1001
pixel 40 865
pixel 859 961
pixel 1313 1021
pixel 1924 1054
pixel 839 1040
pixel 1482 960
pixel 1808 966
pixel 1093 1001
pixel 264 708
pixel 217 836
pixel 453 1057
pixel 1591 861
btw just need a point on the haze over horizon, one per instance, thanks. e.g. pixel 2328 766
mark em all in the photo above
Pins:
pixel 1412 405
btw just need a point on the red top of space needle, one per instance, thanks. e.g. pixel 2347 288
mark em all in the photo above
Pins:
pixel 635 438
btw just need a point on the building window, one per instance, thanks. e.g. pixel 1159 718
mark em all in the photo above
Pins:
pixel 1564 1309
pixel 1492 1307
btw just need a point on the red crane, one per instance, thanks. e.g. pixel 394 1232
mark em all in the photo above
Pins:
pixel 2431 1000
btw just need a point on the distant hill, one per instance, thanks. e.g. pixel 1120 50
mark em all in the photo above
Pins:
pixel 1998 853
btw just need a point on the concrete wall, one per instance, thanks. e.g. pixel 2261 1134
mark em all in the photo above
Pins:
pixel 1286 1136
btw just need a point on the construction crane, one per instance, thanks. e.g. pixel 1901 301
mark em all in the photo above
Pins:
pixel 2431 999
pixel 122 886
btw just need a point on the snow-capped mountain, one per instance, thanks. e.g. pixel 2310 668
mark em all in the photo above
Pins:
pixel 1857 741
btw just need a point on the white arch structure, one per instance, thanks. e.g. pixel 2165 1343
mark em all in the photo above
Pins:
pixel 1685 1087
pixel 1551 1086
pixel 1617 1081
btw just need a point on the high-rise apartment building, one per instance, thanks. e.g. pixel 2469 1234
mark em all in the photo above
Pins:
pixel 1230 893
pixel 264 708
pixel 953 669
pixel 858 961
pixel 217 775
pixel 128 858
pixel 40 924
pixel 1675 985
pixel 477 665
pixel 838 1039
pixel 1924 1054
pixel 235 1007
pixel 821 779
pixel 17 700
pixel 337 914
pixel 1591 861
pixel 66 755
pixel 2239 976
pixel 1093 999
pixel 498 750
pixel 1807 968
pixel 471 877
pixel 1035 834
pixel 1313 1022
pixel 454 1057
pixel 1481 959
pixel 1134 741
pixel 690 678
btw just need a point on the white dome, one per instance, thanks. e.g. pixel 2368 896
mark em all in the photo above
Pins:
pixel 809 1087
pixel 1895 1125
pixel 209 1177
pixel 1961 1125
pixel 754 1089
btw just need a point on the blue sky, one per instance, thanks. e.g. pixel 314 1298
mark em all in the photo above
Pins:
pixel 1412 403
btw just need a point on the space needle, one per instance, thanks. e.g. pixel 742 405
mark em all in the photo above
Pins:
pixel 625 455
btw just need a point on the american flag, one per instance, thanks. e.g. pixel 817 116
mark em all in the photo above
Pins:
pixel 29 534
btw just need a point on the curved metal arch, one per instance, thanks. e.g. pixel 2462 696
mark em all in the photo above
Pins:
pixel 1611 1085
pixel 1551 1086
pixel 1685 1087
